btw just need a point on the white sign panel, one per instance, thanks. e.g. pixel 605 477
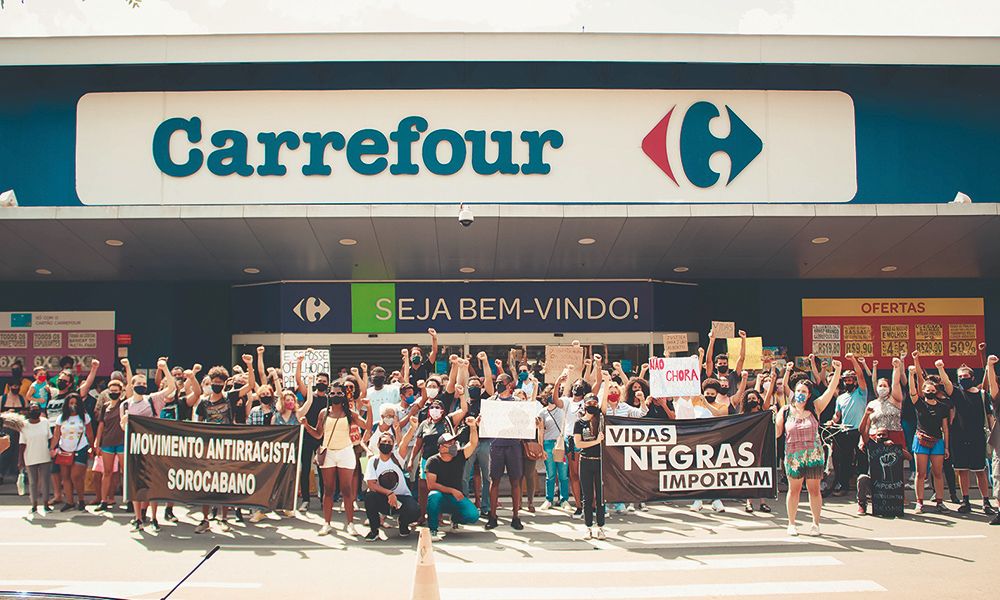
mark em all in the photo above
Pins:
pixel 508 419
pixel 486 146
pixel 316 362
pixel 673 377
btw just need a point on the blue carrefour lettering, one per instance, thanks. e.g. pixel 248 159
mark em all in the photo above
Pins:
pixel 367 151
pixel 161 146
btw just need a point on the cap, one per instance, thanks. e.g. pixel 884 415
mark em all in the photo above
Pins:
pixel 117 376
pixel 447 438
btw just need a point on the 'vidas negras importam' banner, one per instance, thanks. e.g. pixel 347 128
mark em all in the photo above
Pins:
pixel 651 459
pixel 199 463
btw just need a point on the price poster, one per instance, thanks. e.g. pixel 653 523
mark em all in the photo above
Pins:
pixel 881 328
pixel 42 339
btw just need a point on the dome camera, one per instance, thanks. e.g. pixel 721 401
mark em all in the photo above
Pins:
pixel 465 216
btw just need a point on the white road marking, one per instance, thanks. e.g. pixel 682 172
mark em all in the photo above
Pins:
pixel 768 588
pixel 20 544
pixel 641 566
pixel 119 589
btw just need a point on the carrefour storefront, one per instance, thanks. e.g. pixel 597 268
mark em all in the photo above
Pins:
pixel 220 192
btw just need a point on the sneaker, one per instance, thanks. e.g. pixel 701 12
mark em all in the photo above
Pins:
pixel 565 505
pixel 578 512
pixel 590 533
pixel 545 505
pixel 764 508
pixel 154 525
pixel 169 515
pixel 862 509
pixel 792 531
pixel 996 520
pixel 304 507
pixel 919 509
pixel 717 506
pixel 644 507
pixel 404 530
pixel 437 535
pixel 33 511
pixel 531 509
pixel 491 524
pixel 697 505
pixel 81 506
pixel 484 513
pixel 239 515
pixel 372 536
pixel 964 508
pixel 47 509
pixel 454 526
pixel 287 513
pixel 941 508
pixel 988 509
pixel 66 507
pixel 325 529
pixel 515 523
pixel 814 530
pixel 103 506
pixel 136 525
pixel 225 526
pixel 748 507
pixel 258 516
pixel 600 534
pixel 351 531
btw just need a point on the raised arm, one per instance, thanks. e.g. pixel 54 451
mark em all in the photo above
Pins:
pixel 304 409
pixel 192 385
pixel 769 392
pixel 873 373
pixel 862 384
pixel 599 375
pixel 453 365
pixel 89 381
pixel 298 374
pixel 251 383
pixel 831 390
pixel 404 372
pixel 991 377
pixel 261 371
pixel 434 346
pixel 785 391
pixel 602 392
pixel 919 369
pixel 487 373
pixel 816 377
pixel 709 365
pixel 914 390
pixel 897 380
pixel 949 387
pixel 470 448
pixel 743 351
pixel 128 377
pixel 619 372
pixel 557 388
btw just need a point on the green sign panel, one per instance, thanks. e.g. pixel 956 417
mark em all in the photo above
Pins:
pixel 373 307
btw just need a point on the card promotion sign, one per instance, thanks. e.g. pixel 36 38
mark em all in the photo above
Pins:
pixel 882 328
pixel 651 459
pixel 42 339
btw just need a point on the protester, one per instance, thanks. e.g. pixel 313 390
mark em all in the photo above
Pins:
pixel 506 456
pixel 319 402
pixel 973 409
pixel 572 405
pixel 110 442
pixel 444 479
pixel 387 491
pixel 553 418
pixel 478 468
pixel 588 433
pixel 799 424
pixel 882 421
pixel 34 456
pixel 850 410
pixel 931 443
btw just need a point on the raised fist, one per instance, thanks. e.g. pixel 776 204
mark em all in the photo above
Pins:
pixel 849 356
pixel 939 363
pixel 992 359
pixel 742 333
pixel 836 364
pixel 260 349
pixel 481 356
pixel 196 368
pixel 433 332
pixel 248 359
pixel 95 364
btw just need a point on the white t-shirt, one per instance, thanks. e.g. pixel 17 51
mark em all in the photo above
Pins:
pixel 374 471
pixel 35 439
pixel 71 436
pixel 389 394
pixel 572 408
pixel 376 434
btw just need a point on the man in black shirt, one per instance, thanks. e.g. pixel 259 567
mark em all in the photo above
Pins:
pixel 968 437
pixel 420 367
pixel 444 480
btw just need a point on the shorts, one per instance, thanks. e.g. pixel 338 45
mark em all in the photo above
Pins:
pixel 506 457
pixel 341 459
pixel 79 459
pixel 120 449
pixel 969 454
pixel 937 450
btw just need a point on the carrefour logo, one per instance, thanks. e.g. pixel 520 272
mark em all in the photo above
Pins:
pixel 311 309
pixel 698 144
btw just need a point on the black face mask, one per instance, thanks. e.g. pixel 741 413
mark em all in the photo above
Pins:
pixel 710 399
pixel 416 359
pixel 338 399
pixel 593 410
pixel 722 369
pixel 321 387
pixel 140 389
pixel 34 413
pixel 475 393
pixel 267 400
pixel 114 395
pixel 577 390
pixel 385 448
pixel 63 384
pixel 965 382
pixel 850 387
pixel 16 373
pixel 378 381
pixel 218 387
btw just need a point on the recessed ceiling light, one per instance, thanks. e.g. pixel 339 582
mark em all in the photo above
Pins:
pixel 348 242
pixel 467 270
pixel 43 271
pixel 585 241
pixel 681 269
pixel 820 240
pixel 114 243
pixel 888 268
pixel 251 270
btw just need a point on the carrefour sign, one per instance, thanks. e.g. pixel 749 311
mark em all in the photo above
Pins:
pixel 495 146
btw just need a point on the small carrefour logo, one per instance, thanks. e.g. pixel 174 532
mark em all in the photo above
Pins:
pixel 698 144
pixel 311 309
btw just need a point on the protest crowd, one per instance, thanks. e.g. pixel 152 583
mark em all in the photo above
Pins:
pixel 409 446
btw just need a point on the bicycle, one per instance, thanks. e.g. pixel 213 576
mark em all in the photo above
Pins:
pixel 827 435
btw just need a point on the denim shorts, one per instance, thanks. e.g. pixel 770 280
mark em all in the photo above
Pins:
pixel 113 449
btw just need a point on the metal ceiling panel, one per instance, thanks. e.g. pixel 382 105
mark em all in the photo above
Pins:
pixel 525 241
pixel 974 255
pixel 330 224
pixel 800 255
pixel 704 236
pixel 176 248
pixel 571 259
pixel 292 246
pixel 927 241
pixel 409 247
pixel 874 238
pixel 641 245
pixel 53 238
pixel 473 246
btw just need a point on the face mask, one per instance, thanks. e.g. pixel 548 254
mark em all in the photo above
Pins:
pixel 475 393
pixel 522 376
pixel 446 450
pixel 387 421
pixel 550 400
pixel 41 378
pixel 321 387
pixel 710 399
pixel 267 400
pixel 63 384
pixel 614 398
pixel 800 398
pixel 140 389
pixel 338 399
pixel 965 382
pixel 593 410
pixel 385 448
pixel 114 395
pixel 850 387
pixel 16 373
pixel 435 413
pixel 577 390
pixel 883 391
pixel 722 369
pixel 930 396
pixel 217 388
pixel 34 413
pixel 432 392
pixel 416 359
pixel 408 399
pixel 378 380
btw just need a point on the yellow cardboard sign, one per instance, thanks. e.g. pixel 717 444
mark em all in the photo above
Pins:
pixel 755 352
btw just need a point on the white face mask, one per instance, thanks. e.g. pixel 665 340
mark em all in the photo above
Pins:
pixel 883 391
pixel 387 421
pixel 432 392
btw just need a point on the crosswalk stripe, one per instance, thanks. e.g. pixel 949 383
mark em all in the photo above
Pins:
pixel 643 566
pixel 696 590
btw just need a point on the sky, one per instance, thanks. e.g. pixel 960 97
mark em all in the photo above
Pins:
pixel 43 18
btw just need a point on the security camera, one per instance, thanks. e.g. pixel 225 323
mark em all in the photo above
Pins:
pixel 465 216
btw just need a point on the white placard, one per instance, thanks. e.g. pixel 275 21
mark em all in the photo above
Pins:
pixel 317 361
pixel 673 377
pixel 509 419
pixel 13 339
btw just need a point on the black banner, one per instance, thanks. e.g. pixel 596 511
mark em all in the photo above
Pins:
pixel 885 465
pixel 199 463
pixel 652 459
